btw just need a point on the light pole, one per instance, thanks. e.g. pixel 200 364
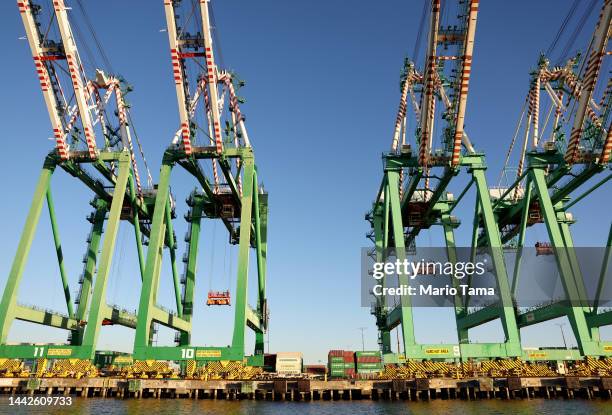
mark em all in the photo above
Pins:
pixel 562 333
pixel 362 338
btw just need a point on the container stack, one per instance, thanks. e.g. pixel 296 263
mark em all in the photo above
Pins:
pixel 368 362
pixel 341 364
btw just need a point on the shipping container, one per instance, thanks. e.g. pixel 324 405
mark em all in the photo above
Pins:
pixel 315 369
pixel 368 353
pixel 372 370
pixel 289 363
pixel 341 365
pixel 269 362
pixel 369 365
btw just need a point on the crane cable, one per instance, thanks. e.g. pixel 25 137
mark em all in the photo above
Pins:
pixel 108 66
pixel 212 256
pixel 516 132
pixel 417 43
pixel 581 23
pixel 90 26
pixel 216 38
pixel 140 149
pixel 562 28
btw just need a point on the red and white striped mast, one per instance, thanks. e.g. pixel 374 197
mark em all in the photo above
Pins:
pixel 179 72
pixel 75 68
pixel 599 45
pixel 212 74
pixel 466 69
pixel 428 103
pixel 41 59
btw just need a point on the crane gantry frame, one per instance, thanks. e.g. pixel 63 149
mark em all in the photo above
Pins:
pixel 401 211
pixel 555 169
pixel 239 203
pixel 118 193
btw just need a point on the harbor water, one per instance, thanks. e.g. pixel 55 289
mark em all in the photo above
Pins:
pixel 96 406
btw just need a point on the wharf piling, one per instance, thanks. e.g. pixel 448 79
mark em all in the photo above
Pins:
pixel 315 390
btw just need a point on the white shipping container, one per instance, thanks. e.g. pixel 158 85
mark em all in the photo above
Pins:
pixel 289 363
pixel 283 355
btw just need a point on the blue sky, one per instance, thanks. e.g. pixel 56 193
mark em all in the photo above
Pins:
pixel 322 93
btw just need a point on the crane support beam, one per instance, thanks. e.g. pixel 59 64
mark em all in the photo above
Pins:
pixel 58 251
pixel 575 314
pixel 148 294
pixel 244 245
pixel 9 297
pixel 169 320
pixel 95 315
pixel 48 318
pixel 120 317
pixel 477 318
pixel 254 320
pixel 541 315
pixel 196 213
pixel 600 319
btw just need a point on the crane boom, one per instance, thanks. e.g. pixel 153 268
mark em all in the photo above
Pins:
pixel 466 69
pixel 75 67
pixel 211 72
pixel 41 59
pixel 178 69
pixel 180 41
pixel 599 44
pixel 44 53
pixel 428 105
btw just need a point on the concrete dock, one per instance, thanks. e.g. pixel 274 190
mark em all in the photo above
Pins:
pixel 307 390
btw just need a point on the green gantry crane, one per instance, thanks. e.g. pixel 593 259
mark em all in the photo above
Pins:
pixel 403 209
pixel 79 109
pixel 551 168
pixel 540 194
pixel 233 196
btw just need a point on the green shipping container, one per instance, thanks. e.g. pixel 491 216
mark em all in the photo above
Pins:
pixel 368 370
pixel 370 353
pixel 369 366
pixel 341 365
